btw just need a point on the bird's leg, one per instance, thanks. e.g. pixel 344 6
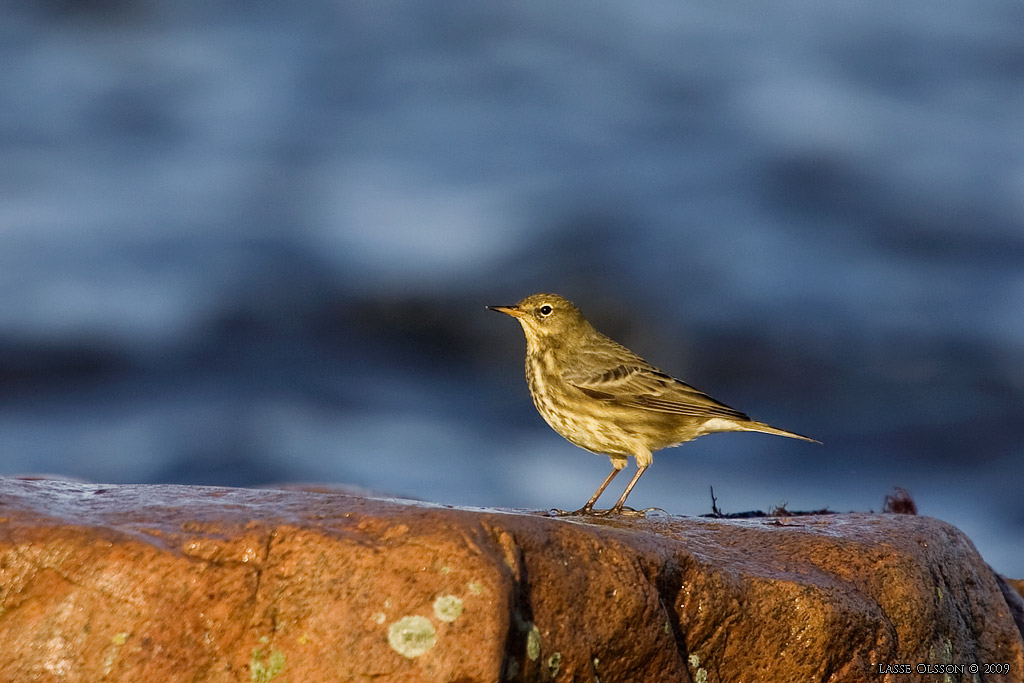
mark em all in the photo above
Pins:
pixel 589 507
pixel 617 508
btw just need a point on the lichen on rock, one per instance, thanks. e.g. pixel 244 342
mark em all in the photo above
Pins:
pixel 412 636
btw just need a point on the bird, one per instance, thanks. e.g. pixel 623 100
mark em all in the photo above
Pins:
pixel 606 399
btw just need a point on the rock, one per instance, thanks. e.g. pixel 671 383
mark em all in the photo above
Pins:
pixel 1013 591
pixel 168 583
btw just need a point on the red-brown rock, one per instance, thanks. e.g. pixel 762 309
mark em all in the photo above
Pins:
pixel 165 583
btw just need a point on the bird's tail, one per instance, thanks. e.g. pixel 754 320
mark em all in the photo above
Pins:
pixel 753 426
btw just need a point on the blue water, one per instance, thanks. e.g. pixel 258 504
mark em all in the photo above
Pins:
pixel 251 243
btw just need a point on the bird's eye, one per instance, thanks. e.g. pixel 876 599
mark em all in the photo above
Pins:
pixel 545 310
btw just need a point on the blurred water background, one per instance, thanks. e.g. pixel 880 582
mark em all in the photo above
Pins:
pixel 251 243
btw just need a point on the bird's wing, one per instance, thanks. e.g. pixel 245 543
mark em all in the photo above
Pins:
pixel 639 385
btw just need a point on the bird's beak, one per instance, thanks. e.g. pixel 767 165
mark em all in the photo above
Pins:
pixel 513 311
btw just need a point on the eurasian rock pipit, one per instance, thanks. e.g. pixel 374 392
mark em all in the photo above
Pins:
pixel 603 397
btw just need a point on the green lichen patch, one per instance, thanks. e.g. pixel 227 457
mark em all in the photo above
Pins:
pixel 533 643
pixel 700 675
pixel 554 664
pixel 448 608
pixel 263 667
pixel 411 636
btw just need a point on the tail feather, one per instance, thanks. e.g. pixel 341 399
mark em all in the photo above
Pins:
pixel 753 426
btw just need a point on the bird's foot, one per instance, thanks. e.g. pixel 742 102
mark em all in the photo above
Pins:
pixel 583 511
pixel 610 512
pixel 591 512
pixel 627 512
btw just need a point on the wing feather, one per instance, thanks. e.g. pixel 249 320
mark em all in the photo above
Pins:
pixel 637 384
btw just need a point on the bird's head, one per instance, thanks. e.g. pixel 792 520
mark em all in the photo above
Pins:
pixel 545 315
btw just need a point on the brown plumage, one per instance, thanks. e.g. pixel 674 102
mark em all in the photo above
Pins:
pixel 603 397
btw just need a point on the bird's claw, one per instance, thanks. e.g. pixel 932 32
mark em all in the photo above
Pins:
pixel 627 512
pixel 591 512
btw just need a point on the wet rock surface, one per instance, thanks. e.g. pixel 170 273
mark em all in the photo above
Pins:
pixel 131 583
